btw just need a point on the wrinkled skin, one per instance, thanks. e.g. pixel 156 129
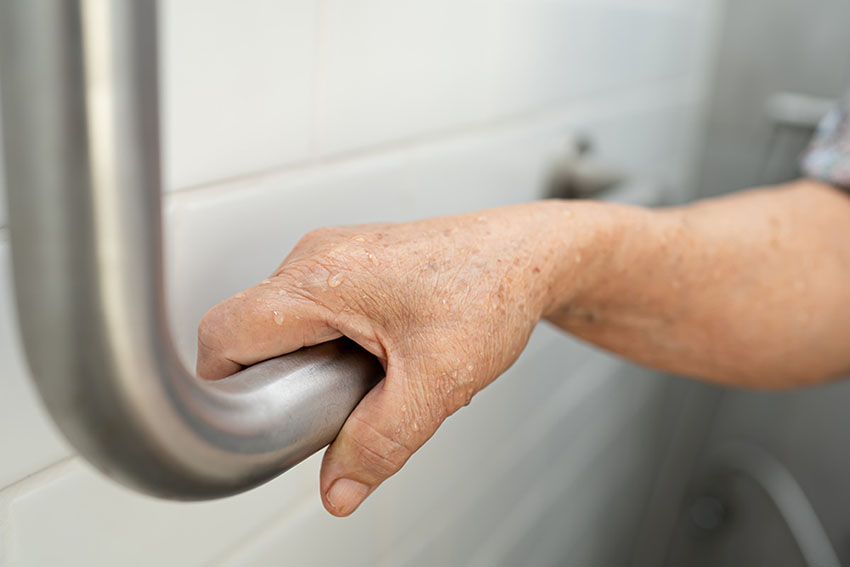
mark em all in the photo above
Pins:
pixel 748 290
pixel 446 304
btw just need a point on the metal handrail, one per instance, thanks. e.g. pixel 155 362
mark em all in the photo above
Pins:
pixel 81 132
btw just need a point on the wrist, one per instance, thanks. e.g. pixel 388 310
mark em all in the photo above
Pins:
pixel 588 249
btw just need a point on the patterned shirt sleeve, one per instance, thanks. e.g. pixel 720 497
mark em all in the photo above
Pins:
pixel 828 156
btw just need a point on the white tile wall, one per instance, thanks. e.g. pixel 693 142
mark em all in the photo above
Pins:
pixel 237 86
pixel 284 116
pixel 452 64
pixel 86 521
pixel 393 70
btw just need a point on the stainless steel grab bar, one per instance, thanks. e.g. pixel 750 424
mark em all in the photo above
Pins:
pixel 80 117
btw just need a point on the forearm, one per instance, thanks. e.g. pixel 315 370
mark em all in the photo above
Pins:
pixel 751 289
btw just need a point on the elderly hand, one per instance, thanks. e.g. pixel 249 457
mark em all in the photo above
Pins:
pixel 446 304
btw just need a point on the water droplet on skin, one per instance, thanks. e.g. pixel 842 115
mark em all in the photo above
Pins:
pixel 281 292
pixel 372 258
pixel 398 429
pixel 360 238
pixel 335 280
pixel 403 407
pixel 266 282
pixel 470 367
pixel 239 295
pixel 454 373
pixel 415 426
pixel 278 317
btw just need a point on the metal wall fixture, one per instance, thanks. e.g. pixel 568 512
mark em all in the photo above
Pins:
pixel 575 173
pixel 81 132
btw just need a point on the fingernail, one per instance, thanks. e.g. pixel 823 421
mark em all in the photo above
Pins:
pixel 345 495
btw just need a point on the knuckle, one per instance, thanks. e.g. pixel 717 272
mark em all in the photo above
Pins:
pixel 210 330
pixel 332 279
pixel 321 232
pixel 222 329
pixel 304 280
pixel 318 237
pixel 311 243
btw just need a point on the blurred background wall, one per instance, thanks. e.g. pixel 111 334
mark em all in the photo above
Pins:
pixel 282 116
pixel 769 47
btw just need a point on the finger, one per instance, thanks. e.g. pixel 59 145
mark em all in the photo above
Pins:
pixel 378 438
pixel 265 321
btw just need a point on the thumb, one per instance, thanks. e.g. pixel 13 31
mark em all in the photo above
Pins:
pixel 378 438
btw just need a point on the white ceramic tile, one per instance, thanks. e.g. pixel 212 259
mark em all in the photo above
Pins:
pixel 82 519
pixel 656 147
pixel 539 437
pixel 484 62
pixel 394 70
pixel 490 170
pixel 28 439
pixel 553 52
pixel 315 538
pixel 550 469
pixel 575 525
pixel 237 87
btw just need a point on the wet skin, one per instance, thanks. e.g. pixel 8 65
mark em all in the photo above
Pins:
pixel 750 290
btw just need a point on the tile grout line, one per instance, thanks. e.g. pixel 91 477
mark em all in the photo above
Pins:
pixel 648 95
pixel 22 486
pixel 272 525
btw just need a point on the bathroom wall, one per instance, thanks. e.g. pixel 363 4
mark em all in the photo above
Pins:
pixel 770 46
pixel 284 116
